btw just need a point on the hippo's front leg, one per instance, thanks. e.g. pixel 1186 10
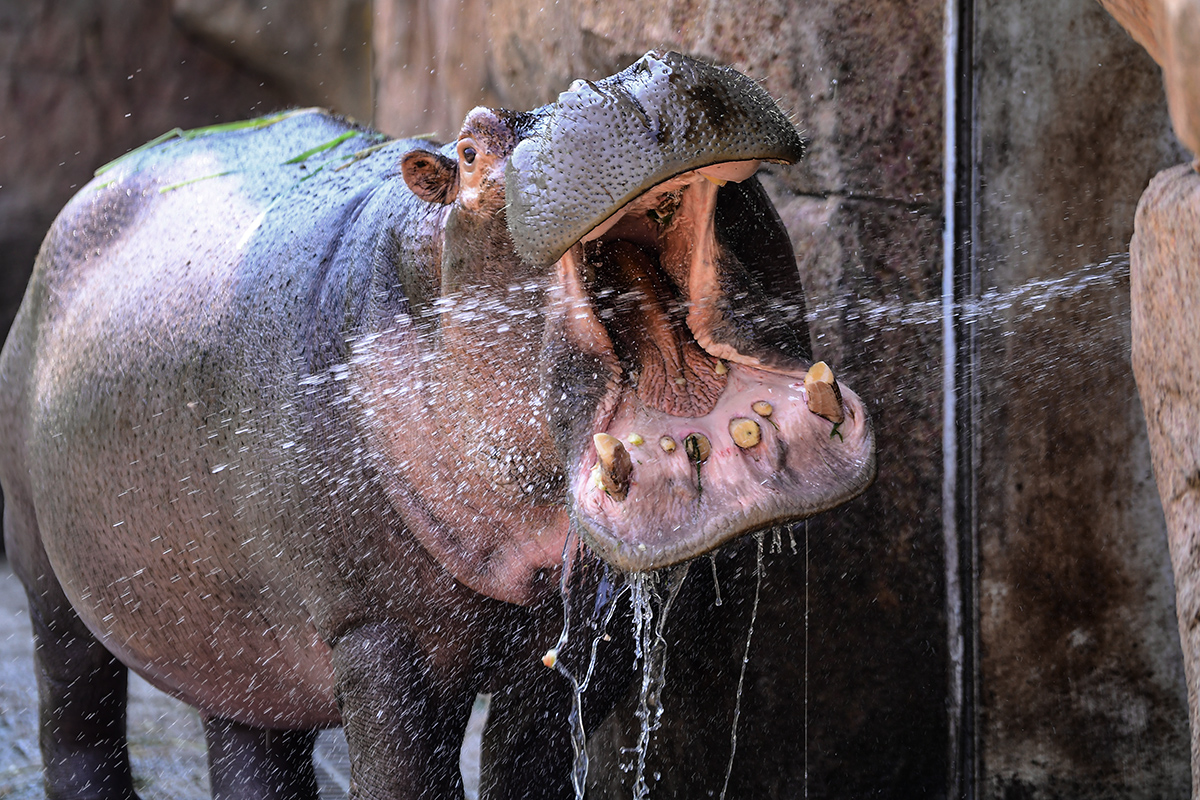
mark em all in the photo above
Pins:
pixel 404 717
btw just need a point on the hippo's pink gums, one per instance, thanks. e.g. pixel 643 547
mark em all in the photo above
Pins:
pixel 296 421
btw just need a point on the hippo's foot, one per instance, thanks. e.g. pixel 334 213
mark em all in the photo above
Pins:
pixel 246 763
pixel 82 690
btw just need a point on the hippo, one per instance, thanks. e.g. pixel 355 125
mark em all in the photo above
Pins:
pixel 310 427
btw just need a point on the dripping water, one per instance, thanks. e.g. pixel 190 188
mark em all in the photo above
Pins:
pixel 712 559
pixel 793 538
pixel 650 649
pixel 606 606
pixel 737 704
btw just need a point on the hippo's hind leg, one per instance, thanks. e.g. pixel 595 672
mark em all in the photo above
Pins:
pixel 82 688
pixel 246 763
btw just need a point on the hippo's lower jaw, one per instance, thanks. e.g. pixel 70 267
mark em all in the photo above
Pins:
pixel 706 431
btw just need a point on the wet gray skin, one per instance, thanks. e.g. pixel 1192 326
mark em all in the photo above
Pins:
pixel 296 421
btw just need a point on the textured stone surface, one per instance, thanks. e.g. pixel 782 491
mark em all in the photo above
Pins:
pixel 319 53
pixel 1081 686
pixel 1165 295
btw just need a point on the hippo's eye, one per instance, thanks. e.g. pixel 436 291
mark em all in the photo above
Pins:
pixel 467 152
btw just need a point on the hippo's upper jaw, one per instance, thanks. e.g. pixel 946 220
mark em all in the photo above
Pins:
pixel 674 276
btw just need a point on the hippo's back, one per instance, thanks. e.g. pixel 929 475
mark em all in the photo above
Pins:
pixel 149 438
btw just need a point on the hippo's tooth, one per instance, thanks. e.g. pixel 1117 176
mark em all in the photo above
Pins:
pixel 697 447
pixel 720 368
pixel 667 444
pixel 762 408
pixel 551 657
pixel 635 439
pixel 745 432
pixel 824 396
pixel 615 465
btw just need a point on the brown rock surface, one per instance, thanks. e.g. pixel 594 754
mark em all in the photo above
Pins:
pixel 319 53
pixel 1080 685
pixel 1165 292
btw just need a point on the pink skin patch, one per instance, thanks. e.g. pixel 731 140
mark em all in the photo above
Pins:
pixel 676 509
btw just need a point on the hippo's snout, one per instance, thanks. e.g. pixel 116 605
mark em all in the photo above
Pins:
pixel 605 143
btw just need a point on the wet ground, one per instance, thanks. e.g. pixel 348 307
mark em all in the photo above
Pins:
pixel 166 740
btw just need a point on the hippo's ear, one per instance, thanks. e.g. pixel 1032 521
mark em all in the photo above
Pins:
pixel 431 176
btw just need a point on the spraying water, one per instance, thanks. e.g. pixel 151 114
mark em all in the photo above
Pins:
pixel 1018 303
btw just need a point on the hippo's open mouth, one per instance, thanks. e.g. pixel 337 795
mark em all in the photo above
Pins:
pixel 706 429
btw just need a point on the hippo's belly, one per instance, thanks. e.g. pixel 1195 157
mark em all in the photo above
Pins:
pixel 156 495
pixel 185 586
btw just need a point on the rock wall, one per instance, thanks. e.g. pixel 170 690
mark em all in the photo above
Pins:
pixel 317 53
pixel 1166 358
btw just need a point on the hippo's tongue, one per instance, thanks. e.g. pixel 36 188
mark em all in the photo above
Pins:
pixel 673 374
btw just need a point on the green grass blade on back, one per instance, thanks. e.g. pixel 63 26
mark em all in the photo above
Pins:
pixel 196 133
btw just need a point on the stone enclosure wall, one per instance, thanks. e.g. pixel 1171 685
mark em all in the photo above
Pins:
pixel 996 615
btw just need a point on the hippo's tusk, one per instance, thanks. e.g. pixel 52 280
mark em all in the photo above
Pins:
pixel 824 396
pixel 615 465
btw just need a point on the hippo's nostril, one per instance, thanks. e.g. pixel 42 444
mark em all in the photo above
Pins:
pixel 824 396
pixel 745 432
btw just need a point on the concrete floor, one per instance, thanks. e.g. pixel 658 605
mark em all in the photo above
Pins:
pixel 166 740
